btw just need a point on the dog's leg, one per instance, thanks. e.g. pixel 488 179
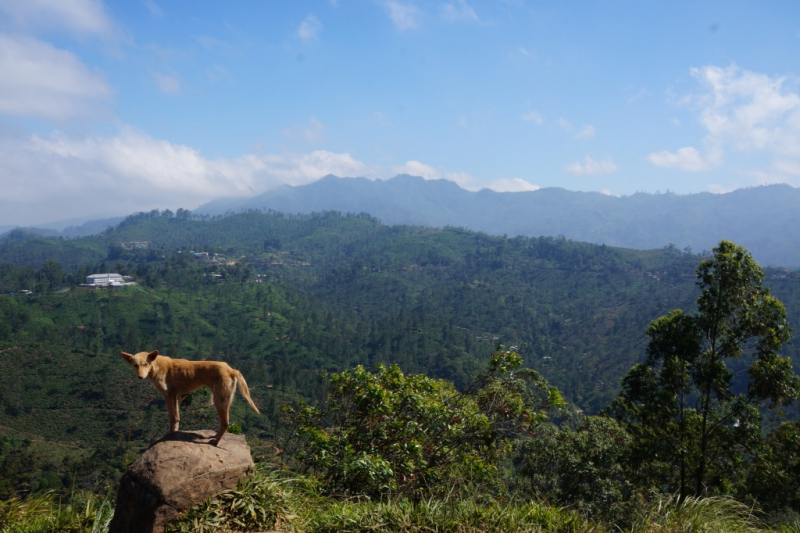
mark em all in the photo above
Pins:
pixel 176 410
pixel 172 411
pixel 223 395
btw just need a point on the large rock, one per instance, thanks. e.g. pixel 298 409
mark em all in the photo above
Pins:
pixel 176 473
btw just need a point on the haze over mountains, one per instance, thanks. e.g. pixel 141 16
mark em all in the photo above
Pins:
pixel 763 219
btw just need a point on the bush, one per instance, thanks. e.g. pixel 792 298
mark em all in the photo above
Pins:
pixel 260 502
pixel 582 468
pixel 391 433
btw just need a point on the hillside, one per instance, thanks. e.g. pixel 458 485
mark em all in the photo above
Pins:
pixel 284 297
pixel 762 219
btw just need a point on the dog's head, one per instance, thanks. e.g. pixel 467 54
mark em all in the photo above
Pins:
pixel 142 362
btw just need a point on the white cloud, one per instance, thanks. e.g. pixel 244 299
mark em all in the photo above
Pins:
pixel 212 44
pixel 312 133
pixel 154 9
pixel 787 166
pixel 167 83
pixel 309 29
pixel 587 132
pixel 404 16
pixel 781 170
pixel 512 185
pixel 464 180
pixel 532 116
pixel 687 158
pixel 716 188
pixel 83 17
pixel 66 177
pixel 564 124
pixel 417 168
pixel 741 111
pixel 42 81
pixel 636 95
pixel 590 167
pixel 749 111
pixel 459 11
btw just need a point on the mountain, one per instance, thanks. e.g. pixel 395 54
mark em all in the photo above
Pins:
pixel 68 228
pixel 283 298
pixel 764 219
pixel 90 227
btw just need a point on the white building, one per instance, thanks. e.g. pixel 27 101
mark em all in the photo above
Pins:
pixel 107 280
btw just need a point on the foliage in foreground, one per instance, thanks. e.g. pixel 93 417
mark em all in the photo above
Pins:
pixel 391 433
pixel 264 501
pixel 462 516
pixel 583 468
pixel 82 512
pixel 694 421
pixel 293 503
pixel 285 502
pixel 277 500
pixel 698 515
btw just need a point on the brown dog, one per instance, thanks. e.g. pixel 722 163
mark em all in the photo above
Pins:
pixel 173 377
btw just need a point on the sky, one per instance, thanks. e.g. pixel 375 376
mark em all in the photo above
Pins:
pixel 111 108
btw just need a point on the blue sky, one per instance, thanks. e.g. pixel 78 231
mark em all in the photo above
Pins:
pixel 117 107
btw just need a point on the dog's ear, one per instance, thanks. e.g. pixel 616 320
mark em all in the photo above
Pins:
pixel 128 357
pixel 152 355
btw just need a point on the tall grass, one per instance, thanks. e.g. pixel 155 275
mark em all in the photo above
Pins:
pixel 273 500
pixel 276 500
pixel 698 515
pixel 265 500
pixel 83 512
pixel 444 517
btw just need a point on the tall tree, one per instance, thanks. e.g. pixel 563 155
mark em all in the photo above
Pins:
pixel 693 418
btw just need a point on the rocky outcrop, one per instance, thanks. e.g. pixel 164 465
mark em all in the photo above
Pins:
pixel 176 473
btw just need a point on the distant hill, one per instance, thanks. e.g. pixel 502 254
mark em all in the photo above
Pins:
pixel 765 220
pixel 65 228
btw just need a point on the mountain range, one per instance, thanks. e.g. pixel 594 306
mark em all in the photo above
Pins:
pixel 763 219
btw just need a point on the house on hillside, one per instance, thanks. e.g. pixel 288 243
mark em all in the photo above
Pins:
pixel 108 280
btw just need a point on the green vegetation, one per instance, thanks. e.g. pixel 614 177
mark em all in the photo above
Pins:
pixel 387 433
pixel 43 513
pixel 692 428
pixel 369 349
pixel 286 502
pixel 585 468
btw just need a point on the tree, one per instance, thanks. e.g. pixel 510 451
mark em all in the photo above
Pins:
pixel 694 419
pixel 582 468
pixel 389 432
pixel 53 272
pixel 774 479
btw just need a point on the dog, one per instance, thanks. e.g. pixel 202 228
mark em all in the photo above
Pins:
pixel 173 377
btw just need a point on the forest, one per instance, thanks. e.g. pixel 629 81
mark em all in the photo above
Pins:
pixel 624 374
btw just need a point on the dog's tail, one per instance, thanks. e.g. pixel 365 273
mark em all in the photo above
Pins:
pixel 243 388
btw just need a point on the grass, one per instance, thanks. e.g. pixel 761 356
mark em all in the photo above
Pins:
pixel 263 501
pixel 698 515
pixel 44 513
pixel 457 517
pixel 277 500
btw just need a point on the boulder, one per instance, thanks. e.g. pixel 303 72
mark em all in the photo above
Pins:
pixel 174 474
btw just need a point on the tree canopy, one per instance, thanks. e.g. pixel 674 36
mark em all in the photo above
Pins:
pixel 387 432
pixel 693 417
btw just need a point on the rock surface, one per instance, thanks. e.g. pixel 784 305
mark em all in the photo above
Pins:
pixel 174 474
